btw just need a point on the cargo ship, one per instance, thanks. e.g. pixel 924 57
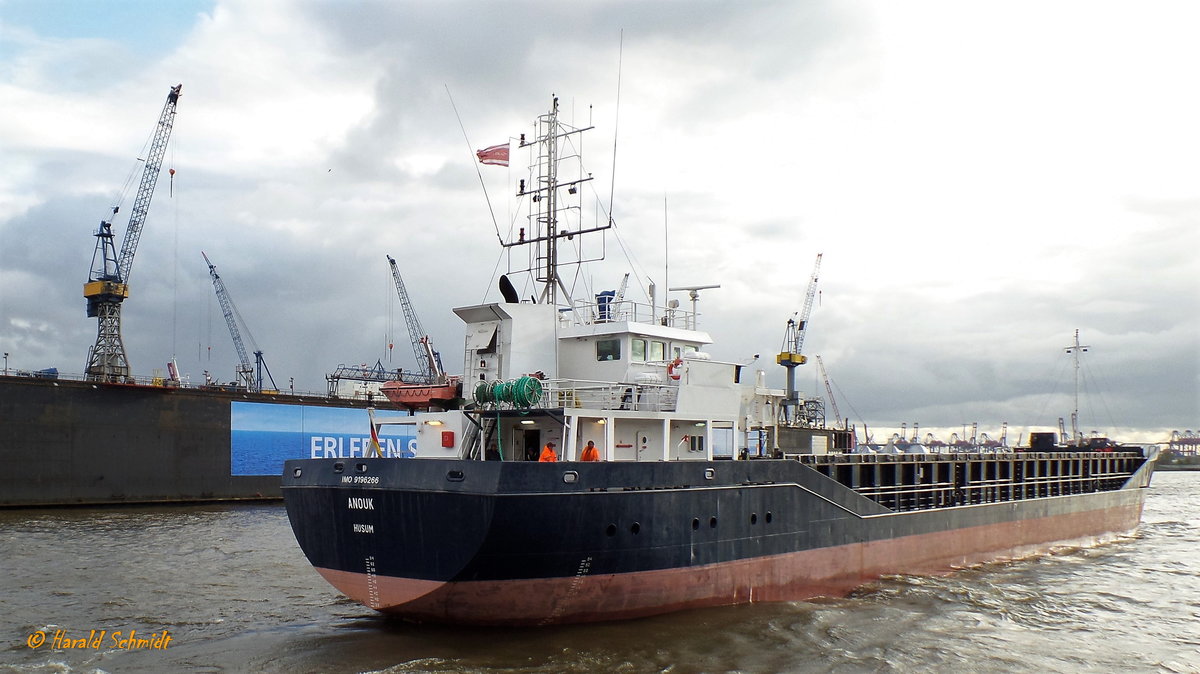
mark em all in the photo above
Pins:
pixel 711 488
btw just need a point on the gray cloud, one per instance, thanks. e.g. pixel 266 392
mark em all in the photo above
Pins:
pixel 962 248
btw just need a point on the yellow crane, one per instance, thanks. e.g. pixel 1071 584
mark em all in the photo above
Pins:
pixel 793 341
pixel 108 284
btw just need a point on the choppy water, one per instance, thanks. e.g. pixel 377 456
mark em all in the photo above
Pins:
pixel 230 586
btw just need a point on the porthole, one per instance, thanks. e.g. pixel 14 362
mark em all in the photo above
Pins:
pixel 710 473
pixel 339 467
pixel 753 518
pixel 570 477
pixel 768 517
pixel 695 523
pixel 362 467
pixel 611 530
pixel 455 476
pixel 712 522
pixel 297 472
pixel 635 528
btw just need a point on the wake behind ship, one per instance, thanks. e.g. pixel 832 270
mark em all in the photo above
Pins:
pixel 711 488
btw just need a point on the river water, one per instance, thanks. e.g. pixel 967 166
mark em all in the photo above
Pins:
pixel 231 589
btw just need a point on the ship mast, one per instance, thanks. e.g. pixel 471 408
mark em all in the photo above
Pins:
pixel 546 266
pixel 1074 350
pixel 547 204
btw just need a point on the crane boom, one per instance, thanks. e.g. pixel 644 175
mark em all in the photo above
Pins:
pixel 245 371
pixel 809 295
pixel 829 390
pixel 108 283
pixel 141 204
pixel 620 295
pixel 428 361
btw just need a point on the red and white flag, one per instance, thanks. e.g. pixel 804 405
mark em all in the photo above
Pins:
pixel 496 154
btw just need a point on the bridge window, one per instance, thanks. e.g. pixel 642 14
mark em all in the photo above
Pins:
pixel 608 349
pixel 637 352
pixel 658 351
pixel 682 350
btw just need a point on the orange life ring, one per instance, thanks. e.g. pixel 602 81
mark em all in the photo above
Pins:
pixel 671 368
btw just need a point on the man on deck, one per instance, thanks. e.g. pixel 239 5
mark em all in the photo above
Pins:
pixel 548 453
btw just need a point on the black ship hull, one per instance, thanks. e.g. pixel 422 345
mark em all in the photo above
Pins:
pixel 528 543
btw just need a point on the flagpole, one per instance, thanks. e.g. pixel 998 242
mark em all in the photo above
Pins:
pixel 479 173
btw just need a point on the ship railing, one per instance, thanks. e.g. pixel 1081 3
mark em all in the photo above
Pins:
pixel 184 383
pixel 994 490
pixel 920 482
pixel 581 393
pixel 589 312
pixel 910 497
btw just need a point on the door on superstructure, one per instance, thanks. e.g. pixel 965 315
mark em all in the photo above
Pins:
pixel 532 441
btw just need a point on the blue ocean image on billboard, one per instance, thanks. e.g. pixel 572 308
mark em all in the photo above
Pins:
pixel 264 435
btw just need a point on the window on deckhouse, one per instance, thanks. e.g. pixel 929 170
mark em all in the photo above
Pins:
pixel 608 349
pixel 637 352
pixel 658 351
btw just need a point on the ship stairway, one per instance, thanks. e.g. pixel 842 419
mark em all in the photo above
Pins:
pixel 479 436
pixel 470 442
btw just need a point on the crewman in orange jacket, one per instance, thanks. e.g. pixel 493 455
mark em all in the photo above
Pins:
pixel 548 453
pixel 590 453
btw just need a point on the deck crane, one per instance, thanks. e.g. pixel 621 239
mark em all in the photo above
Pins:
pixel 829 391
pixel 250 376
pixel 429 362
pixel 108 283
pixel 793 341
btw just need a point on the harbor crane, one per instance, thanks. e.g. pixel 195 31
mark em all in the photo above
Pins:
pixel 790 355
pixel 429 362
pixel 829 392
pixel 250 376
pixel 620 296
pixel 108 283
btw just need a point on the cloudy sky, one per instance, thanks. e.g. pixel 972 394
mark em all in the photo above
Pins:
pixel 982 178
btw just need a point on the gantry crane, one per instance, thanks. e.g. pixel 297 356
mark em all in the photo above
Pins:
pixel 793 341
pixel 429 362
pixel 108 284
pixel 250 376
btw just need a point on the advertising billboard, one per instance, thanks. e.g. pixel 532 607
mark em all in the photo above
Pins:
pixel 264 435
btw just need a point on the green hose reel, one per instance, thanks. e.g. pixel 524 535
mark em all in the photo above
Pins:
pixel 523 392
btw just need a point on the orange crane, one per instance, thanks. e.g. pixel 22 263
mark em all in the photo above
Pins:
pixel 108 283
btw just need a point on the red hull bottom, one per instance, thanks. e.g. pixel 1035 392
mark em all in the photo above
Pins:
pixel 833 571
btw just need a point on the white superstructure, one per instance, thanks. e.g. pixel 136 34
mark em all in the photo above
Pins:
pixel 634 378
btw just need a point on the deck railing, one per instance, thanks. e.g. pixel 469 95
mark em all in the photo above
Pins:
pixel 608 395
pixel 918 482
pixel 588 312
